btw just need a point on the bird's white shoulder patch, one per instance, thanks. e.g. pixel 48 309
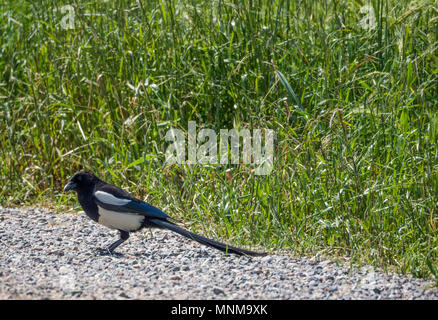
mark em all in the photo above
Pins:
pixel 108 198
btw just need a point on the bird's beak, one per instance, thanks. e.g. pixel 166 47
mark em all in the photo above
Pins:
pixel 69 186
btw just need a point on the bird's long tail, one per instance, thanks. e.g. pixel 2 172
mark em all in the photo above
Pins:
pixel 205 241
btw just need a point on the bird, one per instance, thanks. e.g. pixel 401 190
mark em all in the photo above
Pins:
pixel 117 209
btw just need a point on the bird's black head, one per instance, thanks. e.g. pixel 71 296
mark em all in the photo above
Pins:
pixel 81 181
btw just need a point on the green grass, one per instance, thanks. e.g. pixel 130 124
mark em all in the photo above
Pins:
pixel 354 111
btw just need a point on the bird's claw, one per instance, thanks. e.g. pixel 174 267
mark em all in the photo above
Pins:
pixel 103 252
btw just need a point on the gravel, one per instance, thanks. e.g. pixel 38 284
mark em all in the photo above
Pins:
pixel 44 255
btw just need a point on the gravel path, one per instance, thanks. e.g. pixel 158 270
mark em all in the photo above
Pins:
pixel 50 256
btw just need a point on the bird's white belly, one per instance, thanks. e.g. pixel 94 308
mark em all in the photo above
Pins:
pixel 121 221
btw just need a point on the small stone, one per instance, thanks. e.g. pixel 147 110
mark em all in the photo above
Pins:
pixel 218 291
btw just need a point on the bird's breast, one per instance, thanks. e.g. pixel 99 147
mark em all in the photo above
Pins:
pixel 122 221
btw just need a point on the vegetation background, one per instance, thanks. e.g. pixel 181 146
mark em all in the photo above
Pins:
pixel 349 87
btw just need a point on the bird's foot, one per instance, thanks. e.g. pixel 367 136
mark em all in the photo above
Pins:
pixel 103 252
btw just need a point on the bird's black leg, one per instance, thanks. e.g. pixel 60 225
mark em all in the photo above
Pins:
pixel 123 237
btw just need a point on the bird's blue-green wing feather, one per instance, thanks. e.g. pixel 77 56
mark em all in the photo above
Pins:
pixel 115 200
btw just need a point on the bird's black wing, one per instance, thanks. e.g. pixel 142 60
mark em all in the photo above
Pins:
pixel 112 198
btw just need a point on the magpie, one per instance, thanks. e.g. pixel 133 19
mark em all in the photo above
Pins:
pixel 117 209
